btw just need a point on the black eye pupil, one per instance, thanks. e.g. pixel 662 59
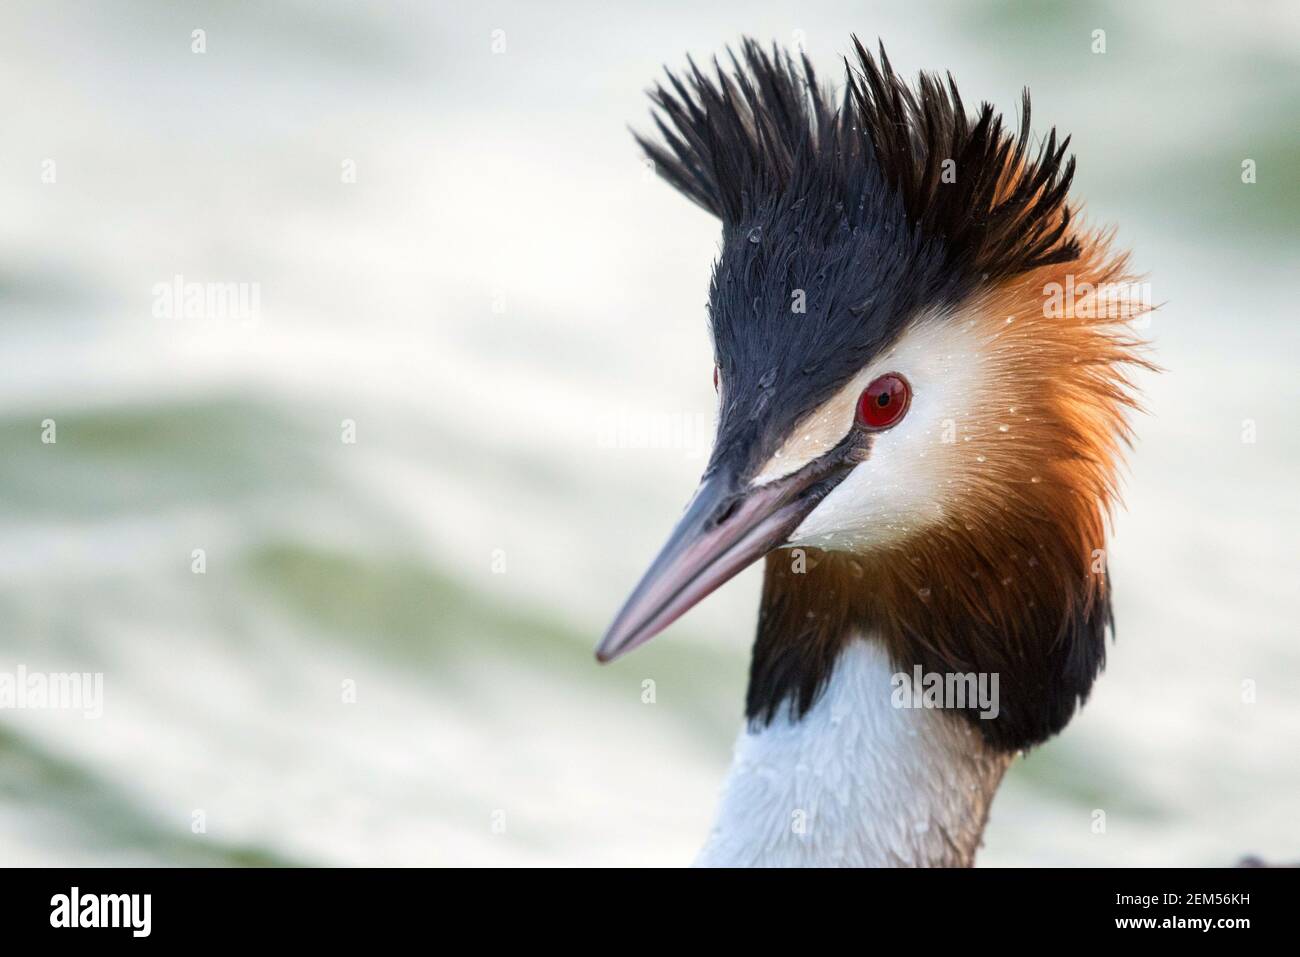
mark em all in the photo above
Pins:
pixel 883 399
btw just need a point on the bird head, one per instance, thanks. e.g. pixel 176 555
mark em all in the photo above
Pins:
pixel 897 397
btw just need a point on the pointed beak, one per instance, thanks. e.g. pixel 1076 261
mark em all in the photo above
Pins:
pixel 725 529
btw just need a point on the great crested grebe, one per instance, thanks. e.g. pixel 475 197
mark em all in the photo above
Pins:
pixel 921 447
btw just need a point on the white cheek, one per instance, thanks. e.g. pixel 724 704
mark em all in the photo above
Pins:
pixel 882 500
pixel 914 468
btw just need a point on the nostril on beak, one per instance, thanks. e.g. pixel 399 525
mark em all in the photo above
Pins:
pixel 727 510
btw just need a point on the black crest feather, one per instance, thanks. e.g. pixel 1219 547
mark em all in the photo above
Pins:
pixel 735 141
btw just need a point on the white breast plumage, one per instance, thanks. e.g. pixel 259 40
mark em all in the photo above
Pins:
pixel 856 782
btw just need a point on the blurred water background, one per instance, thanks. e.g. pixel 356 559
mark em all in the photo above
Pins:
pixel 510 310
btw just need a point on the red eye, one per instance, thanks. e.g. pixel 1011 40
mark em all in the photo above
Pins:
pixel 715 379
pixel 884 402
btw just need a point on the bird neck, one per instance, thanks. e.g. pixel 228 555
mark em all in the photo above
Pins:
pixel 857 780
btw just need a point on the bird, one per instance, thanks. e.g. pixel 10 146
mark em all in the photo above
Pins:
pixel 916 436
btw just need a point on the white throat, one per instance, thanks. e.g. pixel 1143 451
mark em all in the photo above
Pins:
pixel 857 782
